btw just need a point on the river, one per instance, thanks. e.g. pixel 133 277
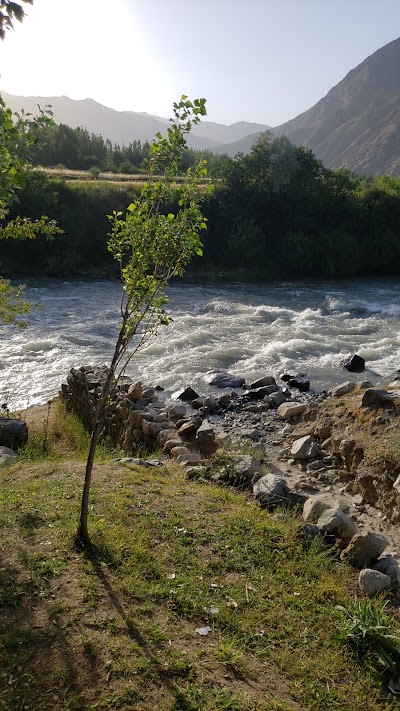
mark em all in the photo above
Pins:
pixel 250 329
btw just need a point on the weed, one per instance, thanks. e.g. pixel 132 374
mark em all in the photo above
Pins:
pixel 229 653
pixel 369 629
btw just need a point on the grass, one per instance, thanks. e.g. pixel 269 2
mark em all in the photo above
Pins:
pixel 116 629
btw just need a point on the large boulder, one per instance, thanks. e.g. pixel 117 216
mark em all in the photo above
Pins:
pixel 363 548
pixel 271 491
pixel 372 582
pixel 315 506
pixel 188 394
pixel 222 379
pixel 354 364
pixel 13 433
pixel 334 522
pixel 205 432
pixel 377 399
pixel 304 448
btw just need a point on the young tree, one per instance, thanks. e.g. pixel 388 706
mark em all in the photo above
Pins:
pixel 151 247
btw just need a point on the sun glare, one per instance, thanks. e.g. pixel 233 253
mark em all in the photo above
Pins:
pixel 99 53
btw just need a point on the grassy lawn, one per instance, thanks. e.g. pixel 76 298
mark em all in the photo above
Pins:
pixel 116 629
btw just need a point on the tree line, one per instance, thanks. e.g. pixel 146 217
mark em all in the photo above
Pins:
pixel 78 149
pixel 277 212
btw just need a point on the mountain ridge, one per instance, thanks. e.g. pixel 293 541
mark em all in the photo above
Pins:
pixel 123 127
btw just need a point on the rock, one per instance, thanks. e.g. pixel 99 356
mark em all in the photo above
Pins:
pixel 315 506
pixel 315 466
pixel 198 402
pixel 271 491
pixel 139 462
pixel 396 484
pixel 364 384
pixel 222 379
pixel 157 427
pixel 187 459
pixel 288 429
pixel 354 364
pixel 389 566
pixel 251 433
pixel 309 532
pixel 261 392
pixel 211 403
pixel 165 435
pixel 188 394
pixel 172 444
pixel 342 389
pixel 196 472
pixel 363 548
pixel 181 452
pixel 246 469
pixel 304 448
pixel 135 391
pixel 205 432
pixel 377 398
pixel 334 522
pixel 177 411
pixel 286 377
pixel 225 399
pixel 13 433
pixel 7 456
pixel 7 452
pixel 300 381
pixel 189 428
pixel 267 380
pixel 372 582
pixel 276 399
pixel 291 409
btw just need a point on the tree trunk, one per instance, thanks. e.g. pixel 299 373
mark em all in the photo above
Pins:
pixel 82 535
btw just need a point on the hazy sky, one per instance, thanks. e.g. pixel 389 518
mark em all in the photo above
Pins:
pixel 254 60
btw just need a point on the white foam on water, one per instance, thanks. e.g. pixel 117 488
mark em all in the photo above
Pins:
pixel 250 329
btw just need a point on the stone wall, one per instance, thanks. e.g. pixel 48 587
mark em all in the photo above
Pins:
pixel 136 417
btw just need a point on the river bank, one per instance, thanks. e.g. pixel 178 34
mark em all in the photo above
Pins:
pixel 183 553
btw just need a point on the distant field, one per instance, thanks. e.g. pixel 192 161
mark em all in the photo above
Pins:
pixel 68 174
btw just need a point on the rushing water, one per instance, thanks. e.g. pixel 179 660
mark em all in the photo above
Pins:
pixel 250 329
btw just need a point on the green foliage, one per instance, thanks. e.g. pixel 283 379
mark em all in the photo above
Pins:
pixel 10 11
pixel 18 135
pixel 369 629
pixel 150 246
pixel 12 304
pixel 280 213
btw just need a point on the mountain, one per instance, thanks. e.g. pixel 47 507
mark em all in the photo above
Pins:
pixel 242 146
pixel 123 127
pixel 357 124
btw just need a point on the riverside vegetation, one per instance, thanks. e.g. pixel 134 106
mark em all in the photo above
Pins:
pixel 276 212
pixel 118 629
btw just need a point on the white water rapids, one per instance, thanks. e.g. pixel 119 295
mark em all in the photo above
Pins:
pixel 248 329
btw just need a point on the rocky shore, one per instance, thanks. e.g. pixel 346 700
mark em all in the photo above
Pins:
pixel 329 455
